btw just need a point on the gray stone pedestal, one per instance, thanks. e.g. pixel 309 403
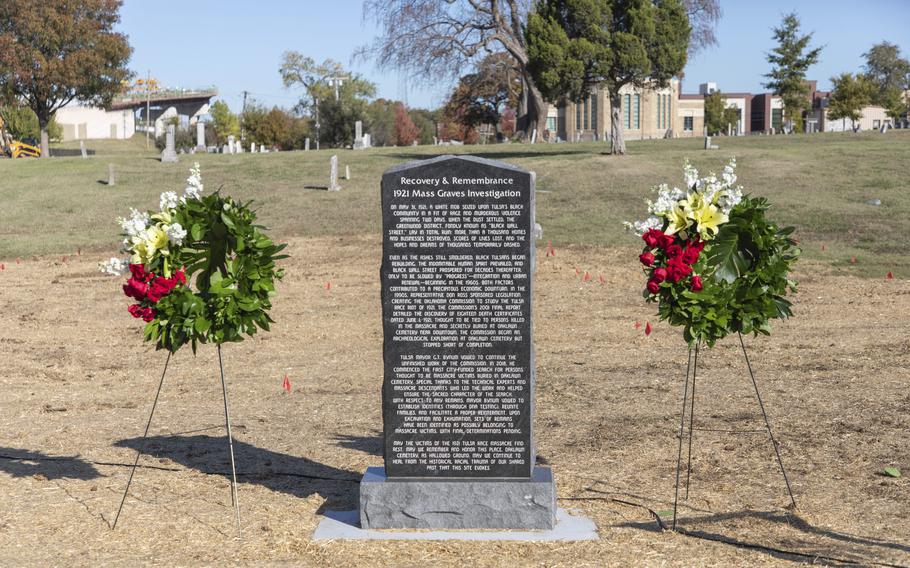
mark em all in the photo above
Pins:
pixel 457 503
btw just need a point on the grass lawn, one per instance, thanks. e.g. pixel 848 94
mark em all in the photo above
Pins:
pixel 820 183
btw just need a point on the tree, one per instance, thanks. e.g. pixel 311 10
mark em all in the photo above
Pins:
pixel 426 121
pixel 848 96
pixel 21 123
pixel 224 122
pixel 482 96
pixel 717 115
pixel 896 103
pixel 887 71
pixel 405 130
pixel 380 121
pixel 339 115
pixel 703 17
pixel 432 40
pixel 298 70
pixel 574 45
pixel 58 51
pixel 790 61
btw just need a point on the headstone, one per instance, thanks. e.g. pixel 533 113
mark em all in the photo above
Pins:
pixel 333 174
pixel 226 149
pixel 534 136
pixel 358 135
pixel 729 129
pixel 168 154
pixel 459 369
pixel 82 149
pixel 347 172
pixel 707 142
pixel 306 145
pixel 252 147
pixel 200 136
pixel 231 149
pixel 110 175
pixel 367 140
pixel 881 130
pixel 435 141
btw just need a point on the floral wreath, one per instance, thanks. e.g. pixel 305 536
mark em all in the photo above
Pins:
pixel 211 241
pixel 713 263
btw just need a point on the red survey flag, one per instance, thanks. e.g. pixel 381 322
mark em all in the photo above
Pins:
pixel 286 385
pixel 586 277
pixel 853 260
pixel 824 247
pixel 577 271
pixel 647 329
pixel 637 325
pixel 889 276
pixel 328 285
pixel 2 267
pixel 602 281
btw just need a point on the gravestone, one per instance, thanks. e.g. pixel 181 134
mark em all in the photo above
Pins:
pixel 226 149
pixel 110 175
pixel 367 140
pixel 458 390
pixel 358 135
pixel 306 145
pixel 347 172
pixel 333 174
pixel 169 154
pixel 200 136
pixel 83 150
pixel 231 144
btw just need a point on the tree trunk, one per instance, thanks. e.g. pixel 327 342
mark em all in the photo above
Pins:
pixel 618 142
pixel 45 142
pixel 531 109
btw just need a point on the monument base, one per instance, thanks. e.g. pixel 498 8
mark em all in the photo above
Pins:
pixel 458 503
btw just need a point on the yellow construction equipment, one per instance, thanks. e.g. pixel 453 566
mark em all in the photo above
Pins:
pixel 10 148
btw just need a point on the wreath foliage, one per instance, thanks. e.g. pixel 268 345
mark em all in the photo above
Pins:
pixel 201 269
pixel 715 264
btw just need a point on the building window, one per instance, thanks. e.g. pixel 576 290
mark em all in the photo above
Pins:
pixel 663 111
pixel 594 111
pixel 551 123
pixel 577 116
pixel 667 104
pixel 688 123
pixel 636 113
pixel 776 118
pixel 627 111
pixel 876 124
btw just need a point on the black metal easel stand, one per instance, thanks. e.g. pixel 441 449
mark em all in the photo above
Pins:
pixel 691 369
pixel 227 425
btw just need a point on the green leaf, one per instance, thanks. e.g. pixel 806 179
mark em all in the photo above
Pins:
pixel 725 256
pixel 892 472
pixel 196 231
pixel 202 325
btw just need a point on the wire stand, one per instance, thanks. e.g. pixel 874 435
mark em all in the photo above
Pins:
pixel 227 424
pixel 692 367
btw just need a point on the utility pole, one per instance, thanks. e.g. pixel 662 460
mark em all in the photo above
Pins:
pixel 242 114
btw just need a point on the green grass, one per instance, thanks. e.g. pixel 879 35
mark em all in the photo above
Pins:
pixel 819 183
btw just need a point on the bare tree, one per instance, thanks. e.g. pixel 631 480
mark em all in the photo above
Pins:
pixel 703 18
pixel 440 39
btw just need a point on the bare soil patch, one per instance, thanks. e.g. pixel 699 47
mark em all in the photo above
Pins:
pixel 77 383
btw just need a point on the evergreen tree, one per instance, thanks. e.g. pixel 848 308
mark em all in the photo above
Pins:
pixel 790 61
pixel 574 45
pixel 717 115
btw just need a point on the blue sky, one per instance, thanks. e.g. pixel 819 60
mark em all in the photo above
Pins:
pixel 237 46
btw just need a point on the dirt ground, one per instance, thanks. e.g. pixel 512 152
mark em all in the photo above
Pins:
pixel 77 384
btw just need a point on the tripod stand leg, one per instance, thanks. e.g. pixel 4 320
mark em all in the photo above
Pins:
pixel 142 442
pixel 682 423
pixel 227 426
pixel 691 420
pixel 767 422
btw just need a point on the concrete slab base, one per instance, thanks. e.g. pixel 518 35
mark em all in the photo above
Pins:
pixel 459 504
pixel 345 525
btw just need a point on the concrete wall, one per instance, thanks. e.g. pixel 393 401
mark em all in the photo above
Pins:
pixel 89 123
pixel 692 107
pixel 872 119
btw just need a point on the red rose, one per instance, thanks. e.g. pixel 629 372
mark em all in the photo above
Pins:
pixel 659 274
pixel 697 244
pixel 135 310
pixel 147 314
pixel 136 289
pixel 696 285
pixel 138 271
pixel 673 251
pixel 666 240
pixel 653 286
pixel 652 237
pixel 690 255
pixel 160 288
pixel 180 277
pixel 646 258
pixel 677 270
